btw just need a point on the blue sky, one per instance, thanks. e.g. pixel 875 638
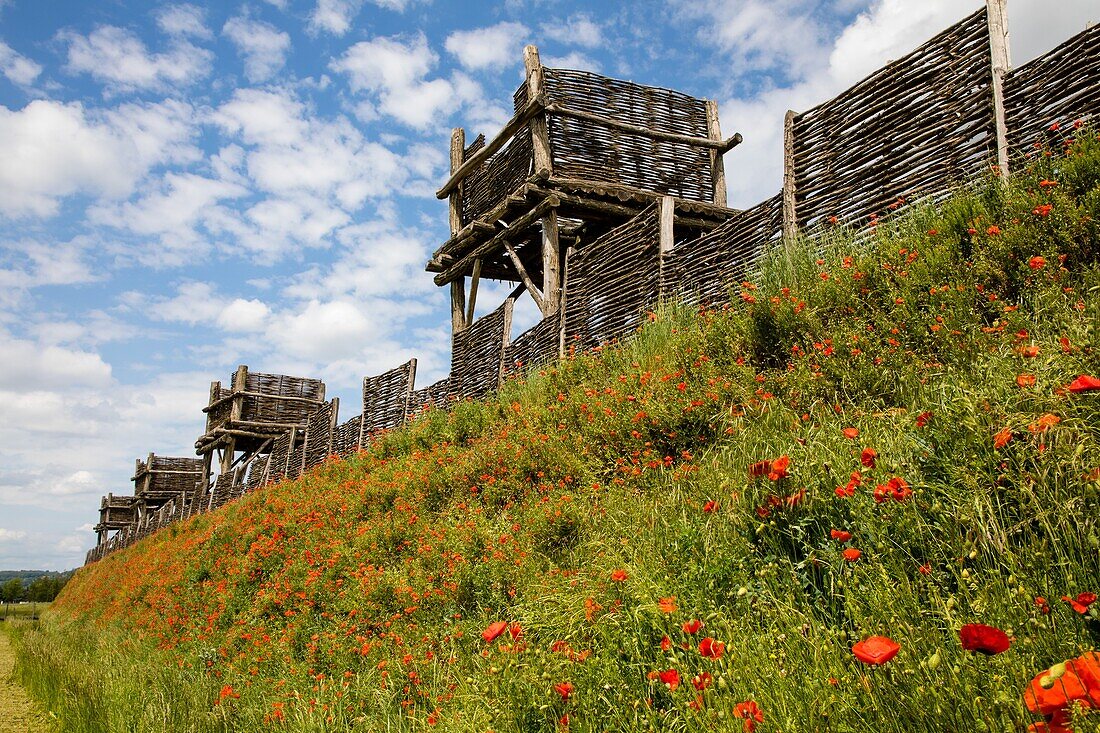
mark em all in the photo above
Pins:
pixel 185 187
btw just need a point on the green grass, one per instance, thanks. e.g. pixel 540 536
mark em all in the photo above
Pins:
pixel 577 504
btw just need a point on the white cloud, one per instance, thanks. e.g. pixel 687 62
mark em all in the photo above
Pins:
pixel 120 59
pixel 334 16
pixel 26 366
pixel 52 150
pixel 183 20
pixel 17 68
pixel 572 60
pixel 11 535
pixel 492 47
pixel 263 46
pixel 577 30
pixel 393 71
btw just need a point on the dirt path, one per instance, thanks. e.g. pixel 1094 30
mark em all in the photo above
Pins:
pixel 18 714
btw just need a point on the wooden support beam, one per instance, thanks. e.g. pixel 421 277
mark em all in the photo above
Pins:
pixel 717 164
pixel 540 135
pixel 475 279
pixel 456 269
pixel 534 107
pixel 458 305
pixel 790 215
pixel 528 282
pixel 997 16
pixel 666 241
pixel 718 144
pixel 551 265
pixel 569 252
pixel 458 148
pixel 509 305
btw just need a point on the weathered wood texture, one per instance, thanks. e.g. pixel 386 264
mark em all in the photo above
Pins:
pixel 386 400
pixel 159 479
pixel 703 270
pixel 320 433
pixel 536 346
pixel 257 473
pixel 478 355
pixel 918 126
pixel 504 172
pixel 1059 88
pixel 612 281
pixel 435 396
pixel 346 439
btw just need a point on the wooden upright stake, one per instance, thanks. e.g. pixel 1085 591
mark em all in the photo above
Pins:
pixel 666 240
pixel 540 136
pixel 997 15
pixel 551 265
pixel 790 216
pixel 717 164
pixel 475 279
pixel 458 148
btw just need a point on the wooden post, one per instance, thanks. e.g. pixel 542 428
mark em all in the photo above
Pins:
pixel 458 287
pixel 569 252
pixel 717 163
pixel 540 136
pixel 475 279
pixel 509 304
pixel 790 215
pixel 666 240
pixel 997 15
pixel 551 265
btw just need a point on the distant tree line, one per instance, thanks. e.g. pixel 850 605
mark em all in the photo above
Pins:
pixel 41 589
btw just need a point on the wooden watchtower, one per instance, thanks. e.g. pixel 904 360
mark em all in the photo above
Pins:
pixel 161 479
pixel 115 513
pixel 251 413
pixel 582 154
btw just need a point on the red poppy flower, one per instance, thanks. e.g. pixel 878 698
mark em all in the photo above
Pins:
pixel 923 418
pixel 850 433
pixel 667 605
pixel 852 554
pixel 867 457
pixel 1028 352
pixel 1023 381
pixel 1002 438
pixel 710 506
pixel 692 627
pixel 876 650
pixel 1051 692
pixel 993 230
pixel 565 689
pixel 779 468
pixel 1040 210
pixel 1081 603
pixel 925 569
pixel 666 643
pixel 760 468
pixel 670 677
pixel 899 489
pixel 840 535
pixel 515 631
pixel 712 649
pixel 988 640
pixel 750 712
pixel 1084 383
pixel 619 576
pixel 494 630
pixel 702 681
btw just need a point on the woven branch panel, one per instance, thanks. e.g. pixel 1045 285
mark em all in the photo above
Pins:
pixel 501 175
pixel 595 152
pixel 295 462
pixel 269 410
pixel 479 354
pixel 346 440
pixel 320 429
pixel 1061 87
pixel 218 415
pixel 537 345
pixel 611 281
pixel 916 127
pixel 434 396
pixel 386 398
pixel 278 458
pixel 223 488
pixel 167 477
pixel 257 467
pixel 703 270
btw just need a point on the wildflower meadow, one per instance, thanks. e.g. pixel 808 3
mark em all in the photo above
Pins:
pixel 863 497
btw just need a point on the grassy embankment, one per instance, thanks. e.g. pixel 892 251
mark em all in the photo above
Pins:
pixel 916 383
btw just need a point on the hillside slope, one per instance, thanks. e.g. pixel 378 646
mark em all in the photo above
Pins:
pixel 688 531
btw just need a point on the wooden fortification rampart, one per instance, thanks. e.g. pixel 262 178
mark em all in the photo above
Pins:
pixel 601 197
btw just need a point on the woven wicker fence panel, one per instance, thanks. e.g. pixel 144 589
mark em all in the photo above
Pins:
pixel 502 174
pixel 295 460
pixel 1061 87
pixel 593 151
pixel 913 128
pixel 612 281
pixel 434 396
pixel 346 439
pixel 537 345
pixel 221 413
pixel 171 476
pixel 223 488
pixel 269 410
pixel 277 460
pixel 386 398
pixel 479 354
pixel 319 434
pixel 256 469
pixel 704 269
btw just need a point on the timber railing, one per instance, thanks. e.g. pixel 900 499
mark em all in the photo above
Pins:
pixel 912 130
